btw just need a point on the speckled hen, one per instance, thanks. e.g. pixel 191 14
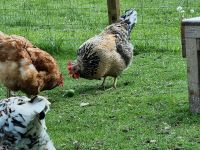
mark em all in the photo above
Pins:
pixel 106 54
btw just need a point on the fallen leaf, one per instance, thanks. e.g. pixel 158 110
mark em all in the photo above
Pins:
pixel 84 104
pixel 152 141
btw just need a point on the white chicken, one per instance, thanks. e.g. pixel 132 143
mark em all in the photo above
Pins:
pixel 22 124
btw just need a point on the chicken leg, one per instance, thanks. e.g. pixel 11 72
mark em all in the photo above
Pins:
pixel 103 83
pixel 115 83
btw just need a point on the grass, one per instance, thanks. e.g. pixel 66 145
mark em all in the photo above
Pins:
pixel 149 108
pixel 150 103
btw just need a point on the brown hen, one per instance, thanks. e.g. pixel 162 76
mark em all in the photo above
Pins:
pixel 25 67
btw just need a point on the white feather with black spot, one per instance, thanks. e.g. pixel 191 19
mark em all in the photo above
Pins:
pixel 21 124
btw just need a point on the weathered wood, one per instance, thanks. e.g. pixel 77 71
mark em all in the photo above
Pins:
pixel 192 60
pixel 183 41
pixel 113 10
pixel 198 44
pixel 191 21
pixel 193 66
pixel 190 32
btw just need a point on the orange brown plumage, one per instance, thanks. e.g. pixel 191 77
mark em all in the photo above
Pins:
pixel 25 67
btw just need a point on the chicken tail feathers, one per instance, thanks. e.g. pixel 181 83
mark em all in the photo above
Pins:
pixel 130 18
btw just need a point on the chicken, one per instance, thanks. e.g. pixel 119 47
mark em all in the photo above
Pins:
pixel 106 54
pixel 22 124
pixel 25 67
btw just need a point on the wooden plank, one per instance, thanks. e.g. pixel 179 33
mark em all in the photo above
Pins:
pixel 113 10
pixel 193 66
pixel 191 21
pixel 198 44
pixel 192 60
pixel 192 31
pixel 183 41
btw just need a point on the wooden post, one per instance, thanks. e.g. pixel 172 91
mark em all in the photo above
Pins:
pixel 183 40
pixel 191 50
pixel 113 10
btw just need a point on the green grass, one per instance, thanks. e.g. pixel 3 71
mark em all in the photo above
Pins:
pixel 149 108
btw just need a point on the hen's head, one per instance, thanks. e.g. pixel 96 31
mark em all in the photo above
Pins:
pixel 73 70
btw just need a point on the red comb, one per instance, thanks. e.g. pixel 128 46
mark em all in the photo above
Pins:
pixel 69 66
pixel 76 75
pixel 70 69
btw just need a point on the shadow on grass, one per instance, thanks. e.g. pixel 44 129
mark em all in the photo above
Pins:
pixel 88 89
pixel 183 117
pixel 96 88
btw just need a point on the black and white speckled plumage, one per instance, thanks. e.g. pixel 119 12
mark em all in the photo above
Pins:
pixel 108 53
pixel 22 124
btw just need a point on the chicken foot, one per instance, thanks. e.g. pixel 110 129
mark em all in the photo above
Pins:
pixel 114 84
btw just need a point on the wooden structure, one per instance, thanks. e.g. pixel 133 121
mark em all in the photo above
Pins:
pixel 190 31
pixel 113 10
